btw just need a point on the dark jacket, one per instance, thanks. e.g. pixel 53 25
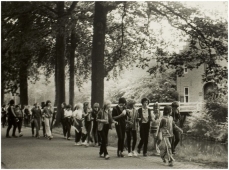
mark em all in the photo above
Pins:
pixel 101 115
pixel 140 115
pixel 115 112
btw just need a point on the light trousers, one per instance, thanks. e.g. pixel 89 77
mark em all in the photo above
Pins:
pixel 47 126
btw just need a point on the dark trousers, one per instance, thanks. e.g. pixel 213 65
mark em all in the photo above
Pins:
pixel 64 127
pixel 19 124
pixel 104 134
pixel 96 134
pixel 120 130
pixel 11 122
pixel 26 122
pixel 83 137
pixel 68 125
pixel 3 121
pixel 88 129
pixel 144 135
pixel 78 136
pixel 176 139
pixel 132 133
pixel 43 128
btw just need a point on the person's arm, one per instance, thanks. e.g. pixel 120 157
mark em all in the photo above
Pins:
pixel 99 118
pixel 12 110
pixel 177 128
pixel 111 120
pixel 119 116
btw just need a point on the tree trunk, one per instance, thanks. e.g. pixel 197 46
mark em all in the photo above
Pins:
pixel 56 84
pixel 98 54
pixel 60 58
pixel 71 68
pixel 2 93
pixel 23 76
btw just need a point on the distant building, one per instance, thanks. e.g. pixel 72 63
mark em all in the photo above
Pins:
pixel 192 88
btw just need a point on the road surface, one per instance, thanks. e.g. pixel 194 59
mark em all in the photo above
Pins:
pixel 30 153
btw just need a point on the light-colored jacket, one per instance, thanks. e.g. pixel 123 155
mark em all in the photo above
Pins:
pixel 104 116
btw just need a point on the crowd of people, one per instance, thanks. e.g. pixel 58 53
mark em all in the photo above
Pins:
pixel 92 125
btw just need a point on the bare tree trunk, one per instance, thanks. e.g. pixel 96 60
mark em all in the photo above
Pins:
pixel 98 54
pixel 60 58
pixel 71 68
pixel 23 76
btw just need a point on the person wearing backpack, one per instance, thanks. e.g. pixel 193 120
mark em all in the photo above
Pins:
pixel 144 116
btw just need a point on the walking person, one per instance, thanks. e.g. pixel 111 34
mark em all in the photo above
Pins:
pixel 43 119
pixel 36 116
pixel 26 116
pixel 47 116
pixel 4 115
pixel 144 115
pixel 77 122
pixel 63 106
pixel 88 120
pixel 119 115
pixel 19 116
pixel 156 118
pixel 166 128
pixel 176 118
pixel 104 120
pixel 95 134
pixel 131 128
pixel 12 120
pixel 67 118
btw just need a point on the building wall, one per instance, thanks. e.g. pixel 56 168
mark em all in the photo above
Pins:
pixel 193 80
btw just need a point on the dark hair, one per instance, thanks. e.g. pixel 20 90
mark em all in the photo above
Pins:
pixel 145 99
pixel 3 105
pixel 12 102
pixel 131 103
pixel 175 104
pixel 167 110
pixel 122 100
pixel 47 102
pixel 68 106
pixel 17 106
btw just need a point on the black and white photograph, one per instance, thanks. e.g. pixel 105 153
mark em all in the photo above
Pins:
pixel 114 84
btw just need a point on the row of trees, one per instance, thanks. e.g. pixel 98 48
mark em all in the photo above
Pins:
pixel 92 40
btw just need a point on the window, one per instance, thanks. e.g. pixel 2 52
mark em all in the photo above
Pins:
pixel 185 70
pixel 186 95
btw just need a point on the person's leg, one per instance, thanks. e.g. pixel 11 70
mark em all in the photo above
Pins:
pixel 43 128
pixel 103 144
pixel 169 151
pixel 105 130
pixel 10 123
pixel 176 139
pixel 47 127
pixel 128 140
pixel 146 137
pixel 63 126
pixel 119 134
pixel 36 126
pixel 14 127
pixel 134 134
pixel 32 127
pixel 141 138
pixel 123 131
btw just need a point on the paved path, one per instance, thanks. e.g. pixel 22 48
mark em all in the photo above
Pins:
pixel 31 153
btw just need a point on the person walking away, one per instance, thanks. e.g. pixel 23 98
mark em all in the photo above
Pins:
pixel 26 116
pixel 119 115
pixel 43 119
pixel 12 120
pixel 77 122
pixel 177 119
pixel 131 128
pixel 53 118
pixel 166 128
pixel 156 118
pixel 63 106
pixel 88 120
pixel 36 116
pixel 144 115
pixel 95 134
pixel 3 116
pixel 47 116
pixel 67 117
pixel 19 117
pixel 104 120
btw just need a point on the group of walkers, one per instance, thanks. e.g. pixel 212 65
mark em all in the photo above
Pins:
pixel 92 125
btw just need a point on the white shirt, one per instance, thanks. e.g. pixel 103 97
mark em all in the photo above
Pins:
pixel 78 114
pixel 67 113
pixel 145 115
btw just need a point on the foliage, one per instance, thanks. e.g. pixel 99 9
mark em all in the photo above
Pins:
pixel 203 124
